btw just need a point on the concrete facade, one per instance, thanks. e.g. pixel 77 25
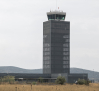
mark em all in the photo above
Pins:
pixel 56 47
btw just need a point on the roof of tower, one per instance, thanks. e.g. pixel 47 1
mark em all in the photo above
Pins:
pixel 56 12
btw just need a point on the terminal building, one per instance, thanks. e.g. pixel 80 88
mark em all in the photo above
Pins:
pixel 56 51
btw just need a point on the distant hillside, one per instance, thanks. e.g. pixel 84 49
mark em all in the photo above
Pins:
pixel 91 74
pixel 12 69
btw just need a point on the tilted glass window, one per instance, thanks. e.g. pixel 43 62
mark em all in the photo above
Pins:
pixel 61 17
pixel 56 16
pixel 51 17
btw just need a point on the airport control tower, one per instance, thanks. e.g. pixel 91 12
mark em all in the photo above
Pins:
pixel 56 52
pixel 56 43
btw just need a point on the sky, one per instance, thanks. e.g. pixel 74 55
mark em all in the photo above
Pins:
pixel 21 32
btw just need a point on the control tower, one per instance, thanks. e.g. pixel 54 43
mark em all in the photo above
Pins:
pixel 56 52
pixel 56 15
pixel 56 43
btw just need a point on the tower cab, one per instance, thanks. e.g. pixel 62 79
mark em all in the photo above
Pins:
pixel 56 15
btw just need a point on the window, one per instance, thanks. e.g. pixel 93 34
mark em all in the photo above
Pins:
pixel 46 49
pixel 65 66
pixel 65 49
pixel 46 66
pixel 44 36
pixel 46 53
pixel 66 58
pixel 61 17
pixel 65 62
pixel 67 40
pixel 46 58
pixel 46 62
pixel 66 36
pixel 65 45
pixel 51 17
pixel 46 44
pixel 65 53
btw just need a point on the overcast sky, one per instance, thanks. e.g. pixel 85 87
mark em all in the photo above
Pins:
pixel 21 32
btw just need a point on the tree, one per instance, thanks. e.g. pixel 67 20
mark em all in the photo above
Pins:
pixel 8 78
pixel 82 81
pixel 60 80
pixel 40 79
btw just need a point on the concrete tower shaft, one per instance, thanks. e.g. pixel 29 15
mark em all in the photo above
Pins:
pixel 56 44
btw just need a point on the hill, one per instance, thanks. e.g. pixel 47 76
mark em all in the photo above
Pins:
pixel 91 74
pixel 12 69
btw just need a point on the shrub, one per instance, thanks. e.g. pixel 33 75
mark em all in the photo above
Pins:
pixel 60 80
pixel 34 83
pixel 87 82
pixel 82 81
pixel 8 78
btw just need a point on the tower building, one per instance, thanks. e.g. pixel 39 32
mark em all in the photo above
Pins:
pixel 56 43
pixel 56 52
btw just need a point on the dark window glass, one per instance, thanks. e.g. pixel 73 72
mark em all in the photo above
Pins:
pixel 51 17
pixel 61 17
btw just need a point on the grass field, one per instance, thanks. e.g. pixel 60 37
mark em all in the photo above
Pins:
pixel 67 87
